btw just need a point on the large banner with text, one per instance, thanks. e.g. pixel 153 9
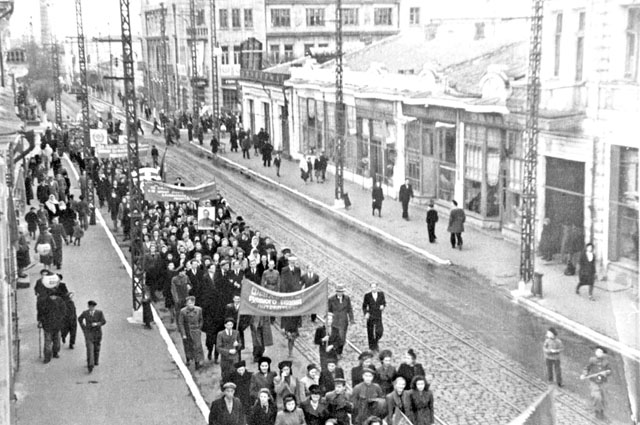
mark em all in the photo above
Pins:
pixel 259 301
pixel 155 191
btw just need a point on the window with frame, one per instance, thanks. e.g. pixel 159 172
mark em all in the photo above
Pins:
pixel 236 54
pixel 557 45
pixel 633 34
pixel 288 52
pixel 414 16
pixel 224 18
pixel 224 58
pixel 382 16
pixel 350 16
pixel 315 17
pixel 281 18
pixel 274 52
pixel 200 17
pixel 235 18
pixel 248 18
pixel 580 45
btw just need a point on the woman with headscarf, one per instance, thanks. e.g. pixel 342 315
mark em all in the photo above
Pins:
pixel 52 207
pixel 44 247
pixel 420 408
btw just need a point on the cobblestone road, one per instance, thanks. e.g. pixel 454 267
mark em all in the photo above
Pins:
pixel 473 383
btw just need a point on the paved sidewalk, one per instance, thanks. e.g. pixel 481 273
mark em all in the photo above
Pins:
pixel 611 320
pixel 136 381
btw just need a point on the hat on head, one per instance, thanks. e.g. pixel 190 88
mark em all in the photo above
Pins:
pixel 50 280
pixel 286 251
pixel 332 360
pixel 229 319
pixel 341 381
pixel 368 370
pixel 264 359
pixel 314 389
pixel 228 385
pixel 285 363
pixel 384 354
pixel 365 355
pixel 266 391
pixel 44 271
pixel 92 303
pixel 311 367
pixel 223 262
pixel 340 287
pixel 240 364
pixel 397 376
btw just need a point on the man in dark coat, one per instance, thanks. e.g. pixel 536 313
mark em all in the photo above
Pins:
pixel 241 377
pixel 242 322
pixel 377 196
pixel 339 305
pixel 329 376
pixel 372 306
pixel 314 408
pixel 227 344
pixel 405 195
pixel 91 322
pixel 52 313
pixel 71 324
pixel 212 309
pixel 327 338
pixel 309 279
pixel 432 219
pixel 457 217
pixel 227 410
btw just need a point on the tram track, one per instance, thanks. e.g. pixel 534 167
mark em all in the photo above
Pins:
pixel 458 366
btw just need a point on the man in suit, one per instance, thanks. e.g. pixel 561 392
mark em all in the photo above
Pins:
pixel 252 273
pixel 290 276
pixel 457 217
pixel 227 410
pixel 195 277
pixel 309 279
pixel 339 305
pixel 212 309
pixel 205 222
pixel 91 322
pixel 405 195
pixel 432 219
pixel 372 306
pixel 227 344
pixel 327 338
pixel 233 310
pixel 236 277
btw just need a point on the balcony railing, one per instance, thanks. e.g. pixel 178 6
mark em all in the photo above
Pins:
pixel 619 97
pixel 201 32
pixel 567 99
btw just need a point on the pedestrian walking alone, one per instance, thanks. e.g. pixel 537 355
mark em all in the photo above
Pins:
pixel 552 348
pixel 156 127
pixel 377 196
pixel 405 195
pixel 339 305
pixel 597 372
pixel 277 161
pixel 432 219
pixel 587 272
pixel 91 322
pixel 373 305
pixel 457 217
pixel 154 155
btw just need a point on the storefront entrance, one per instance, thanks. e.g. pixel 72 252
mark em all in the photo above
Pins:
pixel 564 204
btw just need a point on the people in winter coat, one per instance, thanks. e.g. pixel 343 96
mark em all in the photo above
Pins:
pixel 71 323
pixel 287 384
pixel 420 406
pixel 314 408
pixel 242 378
pixel 377 197
pixel 227 410
pixel 264 410
pixel 52 314
pixel 410 368
pixel 190 326
pixel 263 378
pixel 339 403
pixel 291 414
pixel 367 397
pixel 457 217
pixel 587 271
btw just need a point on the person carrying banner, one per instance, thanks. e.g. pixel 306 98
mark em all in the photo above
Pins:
pixel 597 372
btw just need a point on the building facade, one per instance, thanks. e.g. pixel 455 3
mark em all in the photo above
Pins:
pixel 294 28
pixel 589 144
pixel 240 38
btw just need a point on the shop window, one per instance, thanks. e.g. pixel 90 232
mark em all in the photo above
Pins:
pixel 472 195
pixel 627 205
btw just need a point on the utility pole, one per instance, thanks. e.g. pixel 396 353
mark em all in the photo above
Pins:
pixel 135 190
pixel 55 65
pixel 340 110
pixel 163 59
pixel 84 95
pixel 529 196
pixel 215 89
pixel 194 61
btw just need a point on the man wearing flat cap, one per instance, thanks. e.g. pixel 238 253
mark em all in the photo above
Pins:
pixel 366 396
pixel 227 344
pixel 227 410
pixel 91 322
pixel 241 377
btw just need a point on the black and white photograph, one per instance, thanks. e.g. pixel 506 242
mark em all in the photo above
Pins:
pixel 390 212
pixel 206 218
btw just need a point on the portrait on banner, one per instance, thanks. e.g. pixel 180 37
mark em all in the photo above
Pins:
pixel 206 218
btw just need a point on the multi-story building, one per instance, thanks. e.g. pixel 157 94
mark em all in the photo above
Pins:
pixel 588 151
pixel 240 35
pixel 294 28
